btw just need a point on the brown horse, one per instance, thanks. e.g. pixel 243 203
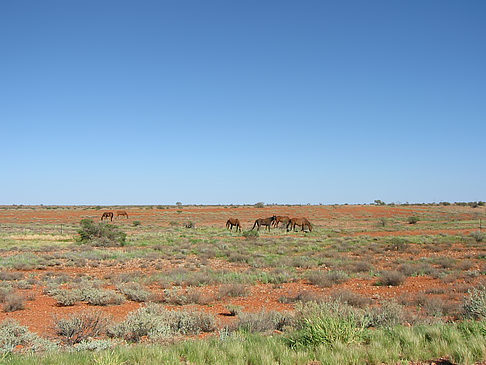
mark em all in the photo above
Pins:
pixel 301 222
pixel 233 222
pixel 121 213
pixel 281 219
pixel 264 222
pixel 107 215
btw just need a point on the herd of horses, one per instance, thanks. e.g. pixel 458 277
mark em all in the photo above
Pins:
pixel 273 221
pixel 110 215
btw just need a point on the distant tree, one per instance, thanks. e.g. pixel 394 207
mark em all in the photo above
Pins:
pixel 179 204
pixel 259 205
pixel 379 202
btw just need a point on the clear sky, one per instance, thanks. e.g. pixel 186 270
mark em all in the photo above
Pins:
pixel 208 102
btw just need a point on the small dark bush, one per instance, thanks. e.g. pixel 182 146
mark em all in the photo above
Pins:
pixel 101 234
pixel 250 235
pixel 398 244
pixel 413 219
pixel 190 225
pixel 136 223
pixel 13 302
pixel 393 278
pixel 478 236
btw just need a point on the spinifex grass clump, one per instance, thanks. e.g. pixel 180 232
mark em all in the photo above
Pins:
pixel 327 324
pixel 101 234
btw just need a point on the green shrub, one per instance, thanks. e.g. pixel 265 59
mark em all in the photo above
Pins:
pixel 101 234
pixel 82 326
pixel 474 305
pixel 413 219
pixel 249 235
pixel 136 223
pixel 327 324
pixel 259 205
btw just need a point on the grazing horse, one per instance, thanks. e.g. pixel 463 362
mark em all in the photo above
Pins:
pixel 121 213
pixel 301 222
pixel 281 219
pixel 107 215
pixel 233 222
pixel 264 222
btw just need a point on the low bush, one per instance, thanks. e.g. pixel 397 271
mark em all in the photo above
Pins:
pixel 351 298
pixel 156 322
pixel 327 279
pixel 413 219
pixel 250 235
pixel 478 236
pixel 234 310
pixel 101 234
pixel 65 297
pixel 13 335
pixel 13 302
pixel 391 278
pixel 134 291
pixel 232 290
pixel 262 322
pixel 82 326
pixel 389 314
pixel 474 305
pixel 102 297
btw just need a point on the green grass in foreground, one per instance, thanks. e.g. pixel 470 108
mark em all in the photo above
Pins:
pixel 464 343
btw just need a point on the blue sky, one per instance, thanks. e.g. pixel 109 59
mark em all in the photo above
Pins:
pixel 208 102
